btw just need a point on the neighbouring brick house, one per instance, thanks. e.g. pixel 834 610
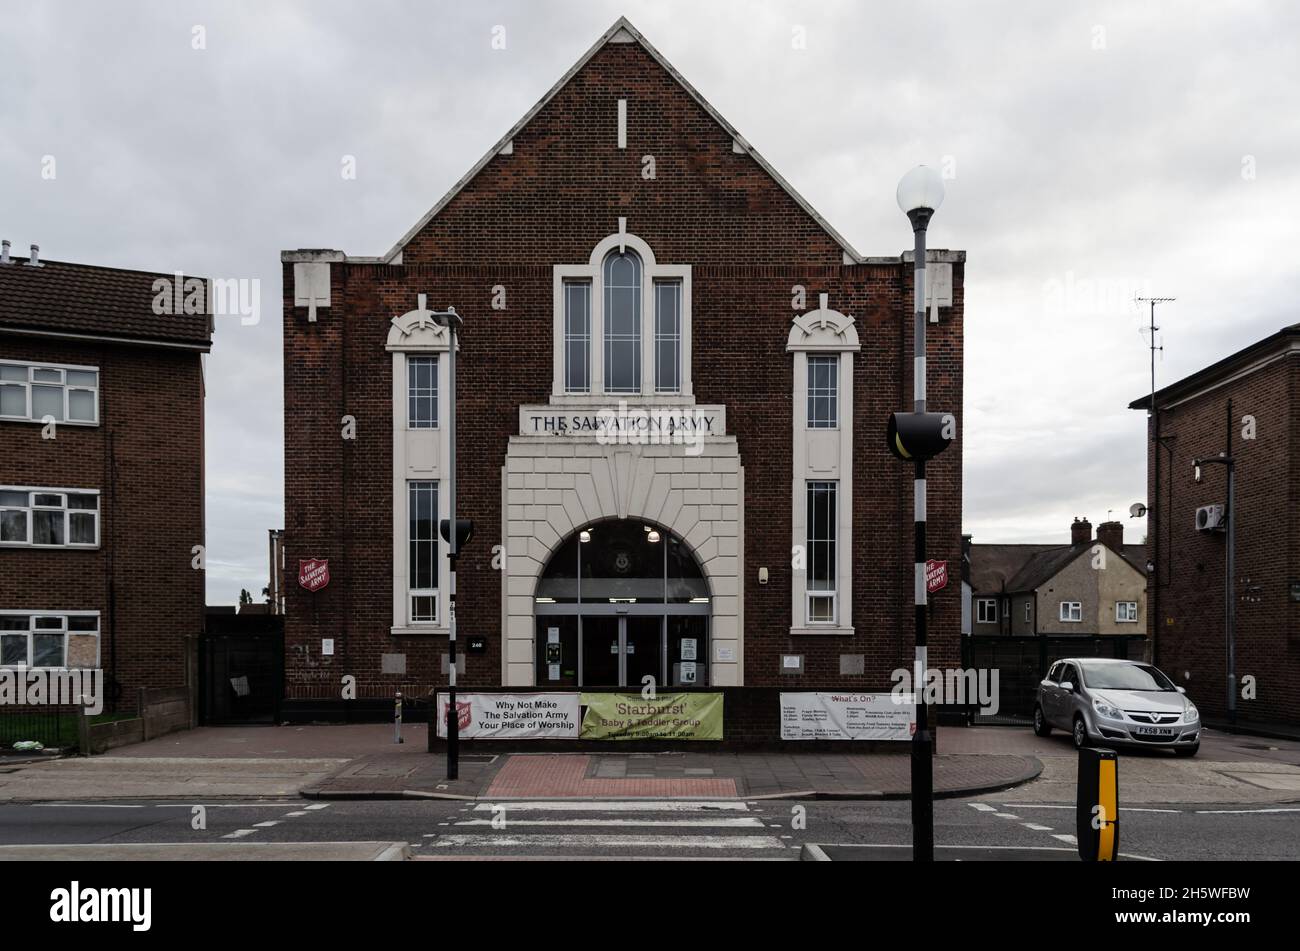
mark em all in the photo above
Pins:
pixel 101 474
pixel 1092 587
pixel 1246 405
pixel 672 375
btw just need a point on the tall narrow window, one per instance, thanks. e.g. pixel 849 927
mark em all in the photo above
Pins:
pixel 821 552
pixel 422 392
pixel 577 336
pixel 622 285
pixel 668 336
pixel 422 564
pixel 823 392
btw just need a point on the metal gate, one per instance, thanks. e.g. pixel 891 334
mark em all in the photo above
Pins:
pixel 242 673
pixel 1022 662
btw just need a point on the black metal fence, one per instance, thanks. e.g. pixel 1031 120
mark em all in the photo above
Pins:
pixel 1022 662
pixel 50 726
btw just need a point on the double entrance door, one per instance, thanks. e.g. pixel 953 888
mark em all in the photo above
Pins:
pixel 621 649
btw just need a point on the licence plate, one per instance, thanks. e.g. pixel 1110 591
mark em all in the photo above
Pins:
pixel 1153 731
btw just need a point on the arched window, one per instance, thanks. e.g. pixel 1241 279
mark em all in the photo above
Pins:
pixel 621 277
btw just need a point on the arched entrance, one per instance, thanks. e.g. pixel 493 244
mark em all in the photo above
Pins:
pixel 619 601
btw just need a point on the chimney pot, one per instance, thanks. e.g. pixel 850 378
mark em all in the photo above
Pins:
pixel 4 251
pixel 1112 534
pixel 1080 532
pixel 35 259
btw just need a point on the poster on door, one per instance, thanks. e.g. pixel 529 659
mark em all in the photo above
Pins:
pixel 512 716
pixel 847 716
pixel 667 716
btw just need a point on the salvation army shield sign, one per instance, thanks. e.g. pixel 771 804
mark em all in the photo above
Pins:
pixel 936 575
pixel 314 573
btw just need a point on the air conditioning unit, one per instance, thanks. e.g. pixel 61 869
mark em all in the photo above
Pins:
pixel 1211 518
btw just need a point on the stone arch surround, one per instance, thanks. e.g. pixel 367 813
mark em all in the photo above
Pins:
pixel 552 486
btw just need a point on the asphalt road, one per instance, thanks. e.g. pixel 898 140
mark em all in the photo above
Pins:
pixel 768 829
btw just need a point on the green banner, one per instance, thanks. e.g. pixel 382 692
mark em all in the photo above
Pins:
pixel 668 716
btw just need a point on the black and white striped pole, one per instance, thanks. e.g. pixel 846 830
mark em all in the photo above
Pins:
pixel 919 436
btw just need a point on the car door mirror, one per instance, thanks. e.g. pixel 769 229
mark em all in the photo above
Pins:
pixel 1181 689
pixel 1067 686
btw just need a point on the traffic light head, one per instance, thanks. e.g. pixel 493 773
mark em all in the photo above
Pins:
pixel 918 437
pixel 464 529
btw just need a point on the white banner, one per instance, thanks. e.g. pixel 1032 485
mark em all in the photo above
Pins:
pixel 513 716
pixel 847 716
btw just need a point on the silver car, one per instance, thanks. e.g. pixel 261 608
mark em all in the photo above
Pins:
pixel 1116 702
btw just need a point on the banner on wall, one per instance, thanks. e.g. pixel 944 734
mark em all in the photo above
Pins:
pixel 512 716
pixel 668 716
pixel 847 716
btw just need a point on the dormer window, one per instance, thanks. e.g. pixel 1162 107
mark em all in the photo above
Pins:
pixel 622 324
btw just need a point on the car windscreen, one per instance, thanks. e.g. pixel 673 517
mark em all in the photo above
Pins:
pixel 1124 677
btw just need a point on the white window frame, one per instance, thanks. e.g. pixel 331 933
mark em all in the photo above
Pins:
pixel 984 607
pixel 31 508
pixel 62 369
pixel 412 592
pixel 1071 612
pixel 1126 612
pixel 32 630
pixel 652 273
pixel 411 423
pixel 656 338
pixel 820 393
pixel 833 591
pixel 586 338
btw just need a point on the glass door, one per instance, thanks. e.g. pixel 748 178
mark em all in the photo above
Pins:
pixel 601 650
pixel 643 650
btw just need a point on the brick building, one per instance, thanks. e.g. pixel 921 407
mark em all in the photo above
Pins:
pixel 1247 406
pixel 101 473
pixel 672 374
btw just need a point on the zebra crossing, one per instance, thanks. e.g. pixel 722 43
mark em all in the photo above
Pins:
pixel 622 828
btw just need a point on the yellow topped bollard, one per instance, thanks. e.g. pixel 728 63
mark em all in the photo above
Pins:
pixel 1097 806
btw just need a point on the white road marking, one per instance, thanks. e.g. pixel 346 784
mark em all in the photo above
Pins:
pixel 742 822
pixel 615 805
pixel 1240 812
pixel 319 805
pixel 1031 805
pixel 981 806
pixel 1036 828
pixel 1066 838
pixel 294 815
pixel 239 833
pixel 267 824
pixel 1006 815
pixel 611 841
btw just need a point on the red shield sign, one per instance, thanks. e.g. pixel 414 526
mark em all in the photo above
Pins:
pixel 936 575
pixel 314 573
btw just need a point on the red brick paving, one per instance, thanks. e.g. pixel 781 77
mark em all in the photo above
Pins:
pixel 560 776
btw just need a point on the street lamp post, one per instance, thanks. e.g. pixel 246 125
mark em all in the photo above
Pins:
pixel 452 321
pixel 920 193
pixel 1229 569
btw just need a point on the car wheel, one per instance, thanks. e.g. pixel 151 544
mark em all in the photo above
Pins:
pixel 1041 726
pixel 1080 733
pixel 1187 750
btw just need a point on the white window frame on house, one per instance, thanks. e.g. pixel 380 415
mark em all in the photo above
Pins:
pixel 815 590
pixel 416 593
pixel 421 401
pixel 39 624
pixel 822 454
pixel 986 610
pixel 49 376
pixel 567 387
pixel 823 403
pixel 45 502
pixel 1126 612
pixel 420 448
pixel 1071 612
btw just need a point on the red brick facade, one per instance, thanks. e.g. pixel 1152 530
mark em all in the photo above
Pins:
pixel 145 458
pixel 1201 417
pixel 561 190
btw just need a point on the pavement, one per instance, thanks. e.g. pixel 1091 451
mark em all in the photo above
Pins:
pixel 209 852
pixel 360 761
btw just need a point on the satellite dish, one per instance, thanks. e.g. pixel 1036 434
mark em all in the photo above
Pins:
pixel 1137 510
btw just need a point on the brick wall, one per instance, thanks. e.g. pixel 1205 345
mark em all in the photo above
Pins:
pixel 1190 625
pixel 559 193
pixel 146 459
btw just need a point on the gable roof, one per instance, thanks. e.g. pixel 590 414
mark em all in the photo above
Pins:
pixel 84 300
pixel 621 32
pixel 1018 569
pixel 1244 361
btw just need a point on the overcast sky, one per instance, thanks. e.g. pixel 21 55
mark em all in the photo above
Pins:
pixel 1100 150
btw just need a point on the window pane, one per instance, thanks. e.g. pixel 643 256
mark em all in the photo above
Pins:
pixel 422 609
pixel 821 608
pixel 47 528
pixel 13 649
pixel 422 391
pixel 577 336
pixel 15 622
pixel 14 498
pixel 823 392
pixel 47 650
pixel 81 406
pixel 13 526
pixel 47 376
pixel 13 400
pixel 83 623
pixel 81 528
pixel 83 378
pixel 84 501
pixel 821 536
pixel 423 509
pixel 668 336
pixel 12 371
pixel 622 274
pixel 47 401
